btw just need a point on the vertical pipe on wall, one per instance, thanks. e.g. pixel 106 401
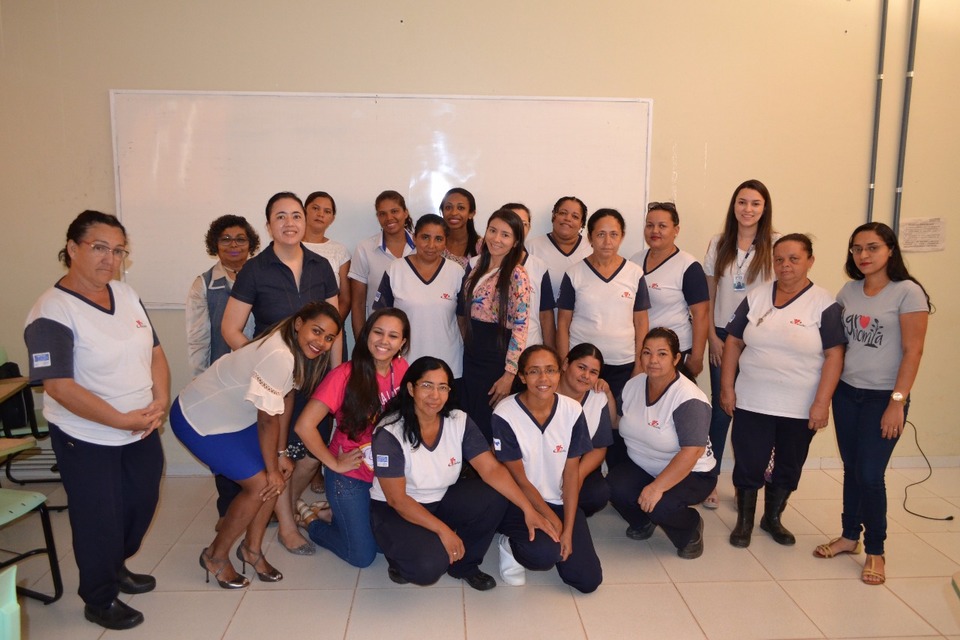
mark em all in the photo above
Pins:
pixel 871 190
pixel 915 18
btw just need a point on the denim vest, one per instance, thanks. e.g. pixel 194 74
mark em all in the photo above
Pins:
pixel 218 292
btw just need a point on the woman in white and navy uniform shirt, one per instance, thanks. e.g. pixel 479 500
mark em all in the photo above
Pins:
pixel 540 436
pixel 374 254
pixel 604 300
pixel 425 286
pixel 787 341
pixel 564 246
pixel 581 381
pixel 671 467
pixel 679 297
pixel 106 389
pixel 426 519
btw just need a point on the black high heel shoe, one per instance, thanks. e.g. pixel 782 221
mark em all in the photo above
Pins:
pixel 270 575
pixel 238 582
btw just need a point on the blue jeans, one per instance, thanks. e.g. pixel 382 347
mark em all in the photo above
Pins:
pixel 865 454
pixel 349 535
pixel 719 420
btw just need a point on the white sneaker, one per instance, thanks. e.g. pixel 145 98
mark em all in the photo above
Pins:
pixel 511 571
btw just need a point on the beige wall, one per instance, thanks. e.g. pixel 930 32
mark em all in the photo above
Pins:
pixel 782 91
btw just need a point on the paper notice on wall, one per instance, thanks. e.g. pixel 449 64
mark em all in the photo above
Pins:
pixel 923 234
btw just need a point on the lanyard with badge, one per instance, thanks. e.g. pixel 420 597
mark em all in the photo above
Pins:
pixel 739 282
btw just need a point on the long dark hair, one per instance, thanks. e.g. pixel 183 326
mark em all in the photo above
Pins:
pixel 402 406
pixel 504 278
pixel 307 373
pixel 896 267
pixel 762 264
pixel 473 237
pixel 674 343
pixel 361 400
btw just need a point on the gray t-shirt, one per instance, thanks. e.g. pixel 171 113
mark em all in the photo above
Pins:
pixel 872 326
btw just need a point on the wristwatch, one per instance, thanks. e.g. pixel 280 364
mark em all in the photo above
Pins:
pixel 896 396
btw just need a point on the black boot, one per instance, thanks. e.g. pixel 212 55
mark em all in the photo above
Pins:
pixel 746 511
pixel 774 502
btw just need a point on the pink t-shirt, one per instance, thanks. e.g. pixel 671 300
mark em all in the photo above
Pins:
pixel 331 392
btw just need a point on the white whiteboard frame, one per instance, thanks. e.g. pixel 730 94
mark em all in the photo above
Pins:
pixel 346 226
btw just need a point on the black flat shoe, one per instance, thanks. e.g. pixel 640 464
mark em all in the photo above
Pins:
pixel 642 533
pixel 481 581
pixel 395 576
pixel 694 548
pixel 118 615
pixel 135 582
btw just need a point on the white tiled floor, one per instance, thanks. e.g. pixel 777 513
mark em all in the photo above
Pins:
pixel 766 591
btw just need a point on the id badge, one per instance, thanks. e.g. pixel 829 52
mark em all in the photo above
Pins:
pixel 738 282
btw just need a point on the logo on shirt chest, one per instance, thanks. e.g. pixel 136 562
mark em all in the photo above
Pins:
pixel 654 423
pixel 655 285
pixel 864 329
pixel 559 449
pixel 627 295
pixel 141 324
pixel 453 462
pixel 797 322
pixel 446 296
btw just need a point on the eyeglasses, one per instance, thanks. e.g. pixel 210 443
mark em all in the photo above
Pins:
pixel 870 248
pixel 429 387
pixel 240 241
pixel 101 250
pixel 664 206
pixel 547 371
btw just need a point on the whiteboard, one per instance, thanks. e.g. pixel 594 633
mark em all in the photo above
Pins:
pixel 184 158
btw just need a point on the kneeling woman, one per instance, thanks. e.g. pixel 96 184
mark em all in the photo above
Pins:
pixel 234 417
pixel 665 425
pixel 581 381
pixel 540 435
pixel 355 393
pixel 424 519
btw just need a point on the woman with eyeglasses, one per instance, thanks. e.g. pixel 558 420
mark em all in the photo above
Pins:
pixel 272 286
pixel 106 390
pixel 426 517
pixel 885 314
pixel 564 246
pixel 232 240
pixel 665 420
pixel 679 296
pixel 540 435
pixel 738 260
pixel 787 342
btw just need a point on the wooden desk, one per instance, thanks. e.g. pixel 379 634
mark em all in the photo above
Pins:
pixel 10 387
pixel 10 446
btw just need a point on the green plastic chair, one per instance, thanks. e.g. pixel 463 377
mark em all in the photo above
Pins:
pixel 9 607
pixel 15 504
